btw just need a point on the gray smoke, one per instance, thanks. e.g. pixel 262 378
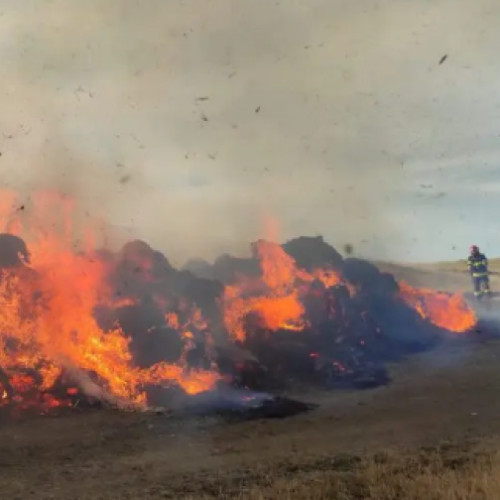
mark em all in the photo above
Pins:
pixel 188 123
pixel 87 385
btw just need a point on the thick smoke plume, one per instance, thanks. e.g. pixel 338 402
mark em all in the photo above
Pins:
pixel 210 113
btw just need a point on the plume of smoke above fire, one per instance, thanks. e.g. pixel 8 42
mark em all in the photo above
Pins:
pixel 186 122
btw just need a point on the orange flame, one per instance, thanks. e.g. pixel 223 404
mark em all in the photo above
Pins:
pixel 275 297
pixel 47 322
pixel 448 311
pixel 48 328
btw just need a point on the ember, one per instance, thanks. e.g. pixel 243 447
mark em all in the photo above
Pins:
pixel 126 328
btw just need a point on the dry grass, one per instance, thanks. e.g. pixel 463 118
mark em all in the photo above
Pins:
pixel 445 473
pixel 453 267
pixel 449 276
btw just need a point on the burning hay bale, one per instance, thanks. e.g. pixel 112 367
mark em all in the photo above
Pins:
pixel 334 322
pixel 130 328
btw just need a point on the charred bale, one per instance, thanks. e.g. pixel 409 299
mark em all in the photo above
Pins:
pixel 200 268
pixel 367 277
pixel 270 408
pixel 227 269
pixel 312 253
pixel 204 293
pixel 152 341
pixel 13 251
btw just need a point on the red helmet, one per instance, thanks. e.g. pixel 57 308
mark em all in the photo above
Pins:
pixel 474 248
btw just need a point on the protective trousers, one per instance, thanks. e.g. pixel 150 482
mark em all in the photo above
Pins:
pixel 481 285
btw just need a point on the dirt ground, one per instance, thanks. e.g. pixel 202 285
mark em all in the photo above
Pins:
pixel 450 395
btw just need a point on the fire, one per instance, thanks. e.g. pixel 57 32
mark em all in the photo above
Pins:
pixel 48 326
pixel 275 311
pixel 63 304
pixel 448 311
pixel 276 296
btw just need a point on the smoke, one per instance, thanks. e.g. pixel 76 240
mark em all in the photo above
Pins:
pixel 184 123
pixel 88 386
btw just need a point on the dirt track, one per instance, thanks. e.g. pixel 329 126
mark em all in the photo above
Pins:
pixel 447 395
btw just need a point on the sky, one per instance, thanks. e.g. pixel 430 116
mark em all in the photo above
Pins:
pixel 190 124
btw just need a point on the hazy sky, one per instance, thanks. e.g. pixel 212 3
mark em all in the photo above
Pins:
pixel 189 122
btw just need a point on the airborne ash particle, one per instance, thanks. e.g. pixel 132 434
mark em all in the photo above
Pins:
pixel 348 248
pixel 443 59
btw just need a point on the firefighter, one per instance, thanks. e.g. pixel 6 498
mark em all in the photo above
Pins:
pixel 478 268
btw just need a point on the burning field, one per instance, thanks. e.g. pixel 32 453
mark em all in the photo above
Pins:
pixel 91 326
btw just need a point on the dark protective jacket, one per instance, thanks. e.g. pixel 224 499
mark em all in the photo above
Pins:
pixel 478 265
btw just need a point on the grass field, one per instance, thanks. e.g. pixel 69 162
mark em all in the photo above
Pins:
pixel 433 433
pixel 444 472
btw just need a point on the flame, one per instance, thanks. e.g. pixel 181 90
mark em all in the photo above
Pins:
pixel 47 321
pixel 172 320
pixel 276 296
pixel 52 347
pixel 271 227
pixel 448 311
